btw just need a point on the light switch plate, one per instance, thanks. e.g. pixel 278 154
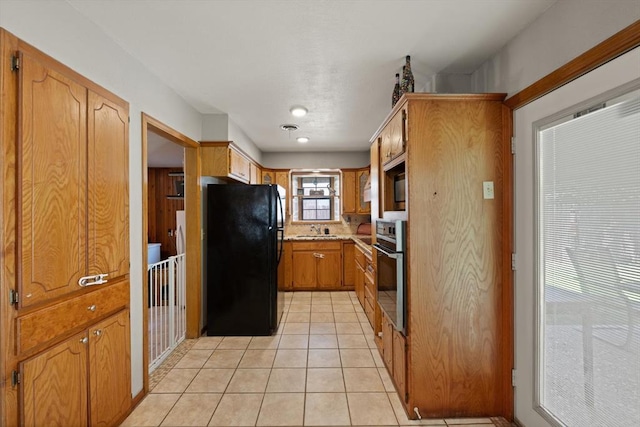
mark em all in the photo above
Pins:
pixel 487 189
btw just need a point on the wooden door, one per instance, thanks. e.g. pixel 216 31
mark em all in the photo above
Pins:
pixel 304 269
pixel 329 269
pixel 110 361
pixel 52 169
pixel 54 385
pixel 349 192
pixel 108 188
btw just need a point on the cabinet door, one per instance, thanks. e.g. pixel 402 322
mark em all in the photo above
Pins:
pixel 304 269
pixel 359 284
pixel 282 179
pixel 52 170
pixel 239 166
pixel 329 269
pixel 399 363
pixel 397 134
pixel 54 385
pixel 268 177
pixel 256 174
pixel 387 342
pixel 362 207
pixel 348 263
pixel 110 362
pixel 349 192
pixel 108 188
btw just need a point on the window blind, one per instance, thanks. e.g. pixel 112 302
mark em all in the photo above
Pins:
pixel 588 265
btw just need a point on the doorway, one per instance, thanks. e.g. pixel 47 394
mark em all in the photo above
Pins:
pixel 575 345
pixel 180 183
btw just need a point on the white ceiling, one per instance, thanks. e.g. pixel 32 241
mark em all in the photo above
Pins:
pixel 254 59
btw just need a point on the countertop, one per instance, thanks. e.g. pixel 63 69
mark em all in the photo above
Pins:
pixel 364 241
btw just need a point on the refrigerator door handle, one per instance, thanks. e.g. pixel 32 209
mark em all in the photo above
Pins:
pixel 280 232
pixel 281 224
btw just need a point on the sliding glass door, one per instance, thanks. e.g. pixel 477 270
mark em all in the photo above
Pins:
pixel 578 250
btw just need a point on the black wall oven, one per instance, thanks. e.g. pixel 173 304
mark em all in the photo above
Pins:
pixel 390 248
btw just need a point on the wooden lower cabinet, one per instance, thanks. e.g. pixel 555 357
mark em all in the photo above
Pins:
pixel 316 265
pixel 394 353
pixel 54 383
pixel 400 364
pixel 387 343
pixel 348 264
pixel 109 365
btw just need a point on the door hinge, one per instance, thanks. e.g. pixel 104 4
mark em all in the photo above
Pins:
pixel 513 378
pixel 513 145
pixel 15 63
pixel 15 378
pixel 13 298
pixel 513 261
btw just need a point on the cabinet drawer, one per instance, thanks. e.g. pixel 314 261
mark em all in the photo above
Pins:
pixel 45 325
pixel 316 246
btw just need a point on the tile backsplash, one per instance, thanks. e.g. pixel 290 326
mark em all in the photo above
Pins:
pixel 344 227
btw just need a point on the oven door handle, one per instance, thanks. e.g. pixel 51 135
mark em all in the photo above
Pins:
pixel 394 255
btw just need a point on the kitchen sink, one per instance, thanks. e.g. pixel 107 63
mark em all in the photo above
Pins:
pixel 316 235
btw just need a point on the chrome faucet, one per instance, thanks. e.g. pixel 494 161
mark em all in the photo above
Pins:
pixel 316 228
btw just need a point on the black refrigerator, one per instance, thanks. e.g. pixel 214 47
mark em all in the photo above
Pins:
pixel 244 236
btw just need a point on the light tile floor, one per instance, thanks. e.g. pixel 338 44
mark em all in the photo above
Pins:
pixel 322 368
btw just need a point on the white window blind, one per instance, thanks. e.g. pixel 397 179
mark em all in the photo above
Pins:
pixel 588 265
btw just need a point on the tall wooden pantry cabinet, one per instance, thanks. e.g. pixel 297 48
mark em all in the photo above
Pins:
pixel 64 273
pixel 434 155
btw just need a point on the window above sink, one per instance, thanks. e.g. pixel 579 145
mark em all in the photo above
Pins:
pixel 315 195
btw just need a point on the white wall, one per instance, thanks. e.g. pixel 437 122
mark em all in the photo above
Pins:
pixel 304 160
pixel 60 31
pixel 563 32
pixel 215 127
pixel 243 141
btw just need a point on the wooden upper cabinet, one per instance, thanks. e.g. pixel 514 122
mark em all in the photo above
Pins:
pixel 108 188
pixel 349 192
pixel 362 207
pixel 239 165
pixel 268 176
pixel 110 361
pixel 224 160
pixel 52 177
pixel 394 137
pixel 53 387
pixel 255 173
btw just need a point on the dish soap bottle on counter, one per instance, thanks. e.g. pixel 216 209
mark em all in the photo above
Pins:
pixel 408 84
pixel 396 91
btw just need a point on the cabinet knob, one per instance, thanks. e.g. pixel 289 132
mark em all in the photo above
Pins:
pixel 380 334
pixel 92 307
pixel 84 340
pixel 97 332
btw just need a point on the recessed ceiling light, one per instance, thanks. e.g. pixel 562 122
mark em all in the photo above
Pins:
pixel 298 111
pixel 302 139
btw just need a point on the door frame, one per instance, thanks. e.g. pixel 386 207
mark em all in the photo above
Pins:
pixel 193 248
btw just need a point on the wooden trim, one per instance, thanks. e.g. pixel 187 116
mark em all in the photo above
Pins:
pixel 8 134
pixel 507 316
pixel 193 220
pixel 621 42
